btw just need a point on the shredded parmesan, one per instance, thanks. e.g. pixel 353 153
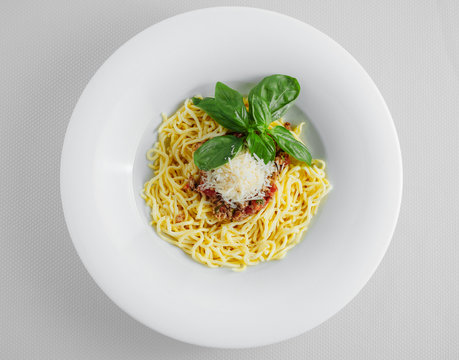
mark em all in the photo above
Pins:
pixel 240 179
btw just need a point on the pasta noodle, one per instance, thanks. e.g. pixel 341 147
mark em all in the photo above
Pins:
pixel 185 218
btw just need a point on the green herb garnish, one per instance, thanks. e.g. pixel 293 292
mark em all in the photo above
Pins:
pixel 217 151
pixel 269 100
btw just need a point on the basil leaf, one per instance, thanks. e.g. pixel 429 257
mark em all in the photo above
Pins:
pixel 212 108
pixel 279 92
pixel 260 112
pixel 217 151
pixel 196 100
pixel 231 105
pixel 261 145
pixel 290 145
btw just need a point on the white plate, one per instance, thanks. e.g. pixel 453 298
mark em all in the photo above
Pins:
pixel 103 168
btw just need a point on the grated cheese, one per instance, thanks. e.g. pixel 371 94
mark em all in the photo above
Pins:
pixel 240 179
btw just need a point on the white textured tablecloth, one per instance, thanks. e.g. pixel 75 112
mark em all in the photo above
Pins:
pixel 49 306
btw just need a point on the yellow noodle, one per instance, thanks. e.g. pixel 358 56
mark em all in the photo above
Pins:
pixel 184 218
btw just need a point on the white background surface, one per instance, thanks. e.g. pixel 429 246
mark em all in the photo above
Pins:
pixel 49 306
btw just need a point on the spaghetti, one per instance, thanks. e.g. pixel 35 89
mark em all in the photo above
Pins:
pixel 185 218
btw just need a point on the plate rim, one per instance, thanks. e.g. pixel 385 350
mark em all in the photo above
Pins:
pixel 395 216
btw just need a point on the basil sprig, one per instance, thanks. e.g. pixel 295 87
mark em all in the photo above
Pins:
pixel 269 100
